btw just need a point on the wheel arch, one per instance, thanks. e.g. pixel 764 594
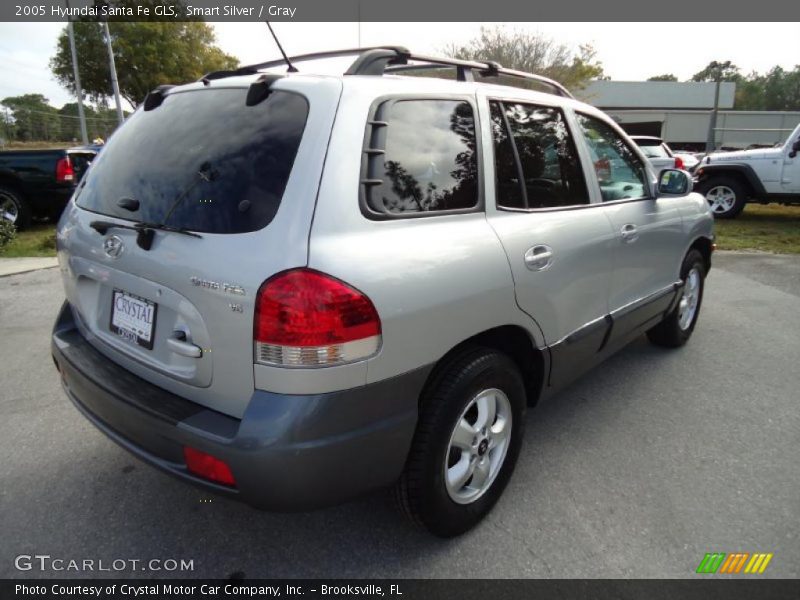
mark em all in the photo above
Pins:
pixel 512 340
pixel 741 173
pixel 705 247
pixel 13 184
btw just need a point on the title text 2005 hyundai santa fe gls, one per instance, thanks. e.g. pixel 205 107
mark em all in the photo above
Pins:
pixel 294 288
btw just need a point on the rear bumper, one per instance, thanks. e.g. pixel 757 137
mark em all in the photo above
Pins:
pixel 287 453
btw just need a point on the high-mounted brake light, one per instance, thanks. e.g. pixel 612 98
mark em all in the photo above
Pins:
pixel 208 467
pixel 305 318
pixel 64 170
pixel 678 162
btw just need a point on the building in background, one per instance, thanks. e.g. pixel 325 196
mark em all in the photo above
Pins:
pixel 680 112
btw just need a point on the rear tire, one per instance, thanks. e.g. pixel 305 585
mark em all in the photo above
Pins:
pixel 725 196
pixel 677 328
pixel 469 433
pixel 14 208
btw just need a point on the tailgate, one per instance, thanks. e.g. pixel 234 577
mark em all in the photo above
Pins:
pixel 243 179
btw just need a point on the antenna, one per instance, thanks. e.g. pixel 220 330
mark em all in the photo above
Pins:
pixel 291 68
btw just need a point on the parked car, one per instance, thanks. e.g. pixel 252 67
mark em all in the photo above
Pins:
pixel 690 160
pixel 82 157
pixel 34 183
pixel 292 289
pixel 729 180
pixel 657 152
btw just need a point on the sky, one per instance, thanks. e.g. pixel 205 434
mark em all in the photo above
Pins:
pixel 628 51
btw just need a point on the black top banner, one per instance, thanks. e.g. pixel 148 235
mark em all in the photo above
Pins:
pixel 673 12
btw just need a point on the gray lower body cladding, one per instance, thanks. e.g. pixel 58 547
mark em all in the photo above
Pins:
pixel 287 453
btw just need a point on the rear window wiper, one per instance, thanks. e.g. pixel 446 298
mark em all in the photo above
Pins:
pixel 145 231
pixel 162 227
pixel 206 174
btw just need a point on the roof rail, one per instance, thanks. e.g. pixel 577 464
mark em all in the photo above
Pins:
pixel 466 69
pixel 280 62
pixel 378 60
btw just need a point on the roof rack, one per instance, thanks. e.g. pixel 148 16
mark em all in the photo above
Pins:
pixel 378 60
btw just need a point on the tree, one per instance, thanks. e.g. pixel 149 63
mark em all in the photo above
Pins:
pixel 100 121
pixel 664 77
pixel 750 93
pixel 782 89
pixel 533 53
pixel 147 54
pixel 724 71
pixel 32 118
pixel 778 89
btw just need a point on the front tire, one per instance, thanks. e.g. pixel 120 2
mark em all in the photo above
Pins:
pixel 470 429
pixel 677 328
pixel 726 197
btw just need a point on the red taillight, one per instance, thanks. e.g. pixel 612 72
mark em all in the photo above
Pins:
pixel 307 318
pixel 678 162
pixel 207 466
pixel 64 170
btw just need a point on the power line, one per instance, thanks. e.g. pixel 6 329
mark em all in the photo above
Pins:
pixel 56 114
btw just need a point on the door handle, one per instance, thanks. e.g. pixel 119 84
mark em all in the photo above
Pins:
pixel 539 257
pixel 178 344
pixel 629 233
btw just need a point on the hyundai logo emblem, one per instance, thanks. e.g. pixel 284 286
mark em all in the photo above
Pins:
pixel 113 246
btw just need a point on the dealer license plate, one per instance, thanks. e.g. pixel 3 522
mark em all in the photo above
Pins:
pixel 133 318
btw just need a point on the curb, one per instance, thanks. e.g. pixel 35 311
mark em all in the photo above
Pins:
pixel 18 266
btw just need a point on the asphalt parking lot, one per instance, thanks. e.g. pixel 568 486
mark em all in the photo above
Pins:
pixel 637 470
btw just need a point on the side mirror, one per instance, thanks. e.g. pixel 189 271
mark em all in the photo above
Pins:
pixel 672 182
pixel 795 149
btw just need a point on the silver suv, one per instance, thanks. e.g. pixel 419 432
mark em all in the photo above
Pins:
pixel 292 288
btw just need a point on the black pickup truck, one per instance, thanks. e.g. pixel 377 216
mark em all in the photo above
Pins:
pixel 38 183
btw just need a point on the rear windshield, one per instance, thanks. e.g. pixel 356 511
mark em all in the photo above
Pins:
pixel 202 161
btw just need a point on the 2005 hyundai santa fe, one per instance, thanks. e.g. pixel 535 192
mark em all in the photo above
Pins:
pixel 294 288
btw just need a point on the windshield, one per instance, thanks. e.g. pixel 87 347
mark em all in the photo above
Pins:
pixel 202 161
pixel 652 149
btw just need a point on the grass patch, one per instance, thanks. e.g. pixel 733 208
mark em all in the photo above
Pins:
pixel 768 228
pixel 38 240
pixel 15 145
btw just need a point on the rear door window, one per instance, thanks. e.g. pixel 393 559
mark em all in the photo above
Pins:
pixel 203 161
pixel 507 179
pixel 541 148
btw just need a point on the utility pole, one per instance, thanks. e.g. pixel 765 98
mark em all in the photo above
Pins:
pixel 78 89
pixel 711 141
pixel 113 68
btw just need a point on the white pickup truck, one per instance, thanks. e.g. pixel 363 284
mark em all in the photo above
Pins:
pixel 729 180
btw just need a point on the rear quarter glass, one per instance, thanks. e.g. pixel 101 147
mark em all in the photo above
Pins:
pixel 203 161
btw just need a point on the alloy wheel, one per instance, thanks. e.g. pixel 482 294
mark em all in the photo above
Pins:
pixel 8 209
pixel 721 199
pixel 687 308
pixel 478 446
